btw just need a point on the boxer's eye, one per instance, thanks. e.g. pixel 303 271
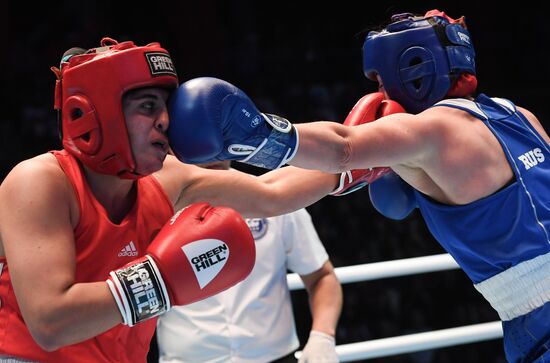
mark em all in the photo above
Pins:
pixel 148 105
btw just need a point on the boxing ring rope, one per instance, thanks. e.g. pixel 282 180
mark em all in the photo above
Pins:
pixel 381 270
pixel 412 342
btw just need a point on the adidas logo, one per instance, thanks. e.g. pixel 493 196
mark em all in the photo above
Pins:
pixel 129 250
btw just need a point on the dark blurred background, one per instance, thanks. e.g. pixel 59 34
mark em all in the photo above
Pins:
pixel 302 60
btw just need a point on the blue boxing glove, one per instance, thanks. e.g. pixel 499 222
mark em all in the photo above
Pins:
pixel 212 120
pixel 392 197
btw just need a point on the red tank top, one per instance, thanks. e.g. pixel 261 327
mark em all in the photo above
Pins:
pixel 101 246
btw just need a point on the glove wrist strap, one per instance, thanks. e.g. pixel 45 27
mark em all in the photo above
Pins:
pixel 139 291
pixel 345 178
pixel 278 148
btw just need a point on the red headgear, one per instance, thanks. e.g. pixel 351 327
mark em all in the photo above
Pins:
pixel 89 92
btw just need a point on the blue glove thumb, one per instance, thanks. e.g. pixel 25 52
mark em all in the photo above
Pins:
pixel 392 197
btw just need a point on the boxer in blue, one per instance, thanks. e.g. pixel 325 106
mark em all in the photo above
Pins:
pixel 476 167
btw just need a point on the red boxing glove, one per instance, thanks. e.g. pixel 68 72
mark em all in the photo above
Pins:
pixel 369 108
pixel 200 252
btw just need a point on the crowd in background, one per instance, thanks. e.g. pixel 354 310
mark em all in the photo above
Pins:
pixel 303 63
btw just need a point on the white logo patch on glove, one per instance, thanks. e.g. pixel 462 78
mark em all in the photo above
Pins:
pixel 207 257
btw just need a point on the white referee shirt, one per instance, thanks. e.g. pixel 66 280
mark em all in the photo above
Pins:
pixel 252 322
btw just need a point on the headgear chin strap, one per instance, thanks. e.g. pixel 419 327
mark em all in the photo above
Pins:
pixel 419 59
pixel 89 91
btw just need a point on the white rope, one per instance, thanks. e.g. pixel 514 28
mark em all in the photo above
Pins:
pixel 417 342
pixel 404 343
pixel 380 270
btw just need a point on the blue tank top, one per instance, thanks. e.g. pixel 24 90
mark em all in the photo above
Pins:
pixel 512 225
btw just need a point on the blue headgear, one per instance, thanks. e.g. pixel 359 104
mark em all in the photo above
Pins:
pixel 418 58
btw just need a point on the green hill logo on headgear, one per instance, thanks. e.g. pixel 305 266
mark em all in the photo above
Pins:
pixel 160 64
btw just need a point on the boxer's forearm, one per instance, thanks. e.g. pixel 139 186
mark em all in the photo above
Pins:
pixel 83 311
pixel 290 188
pixel 395 139
pixel 322 146
pixel 274 193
